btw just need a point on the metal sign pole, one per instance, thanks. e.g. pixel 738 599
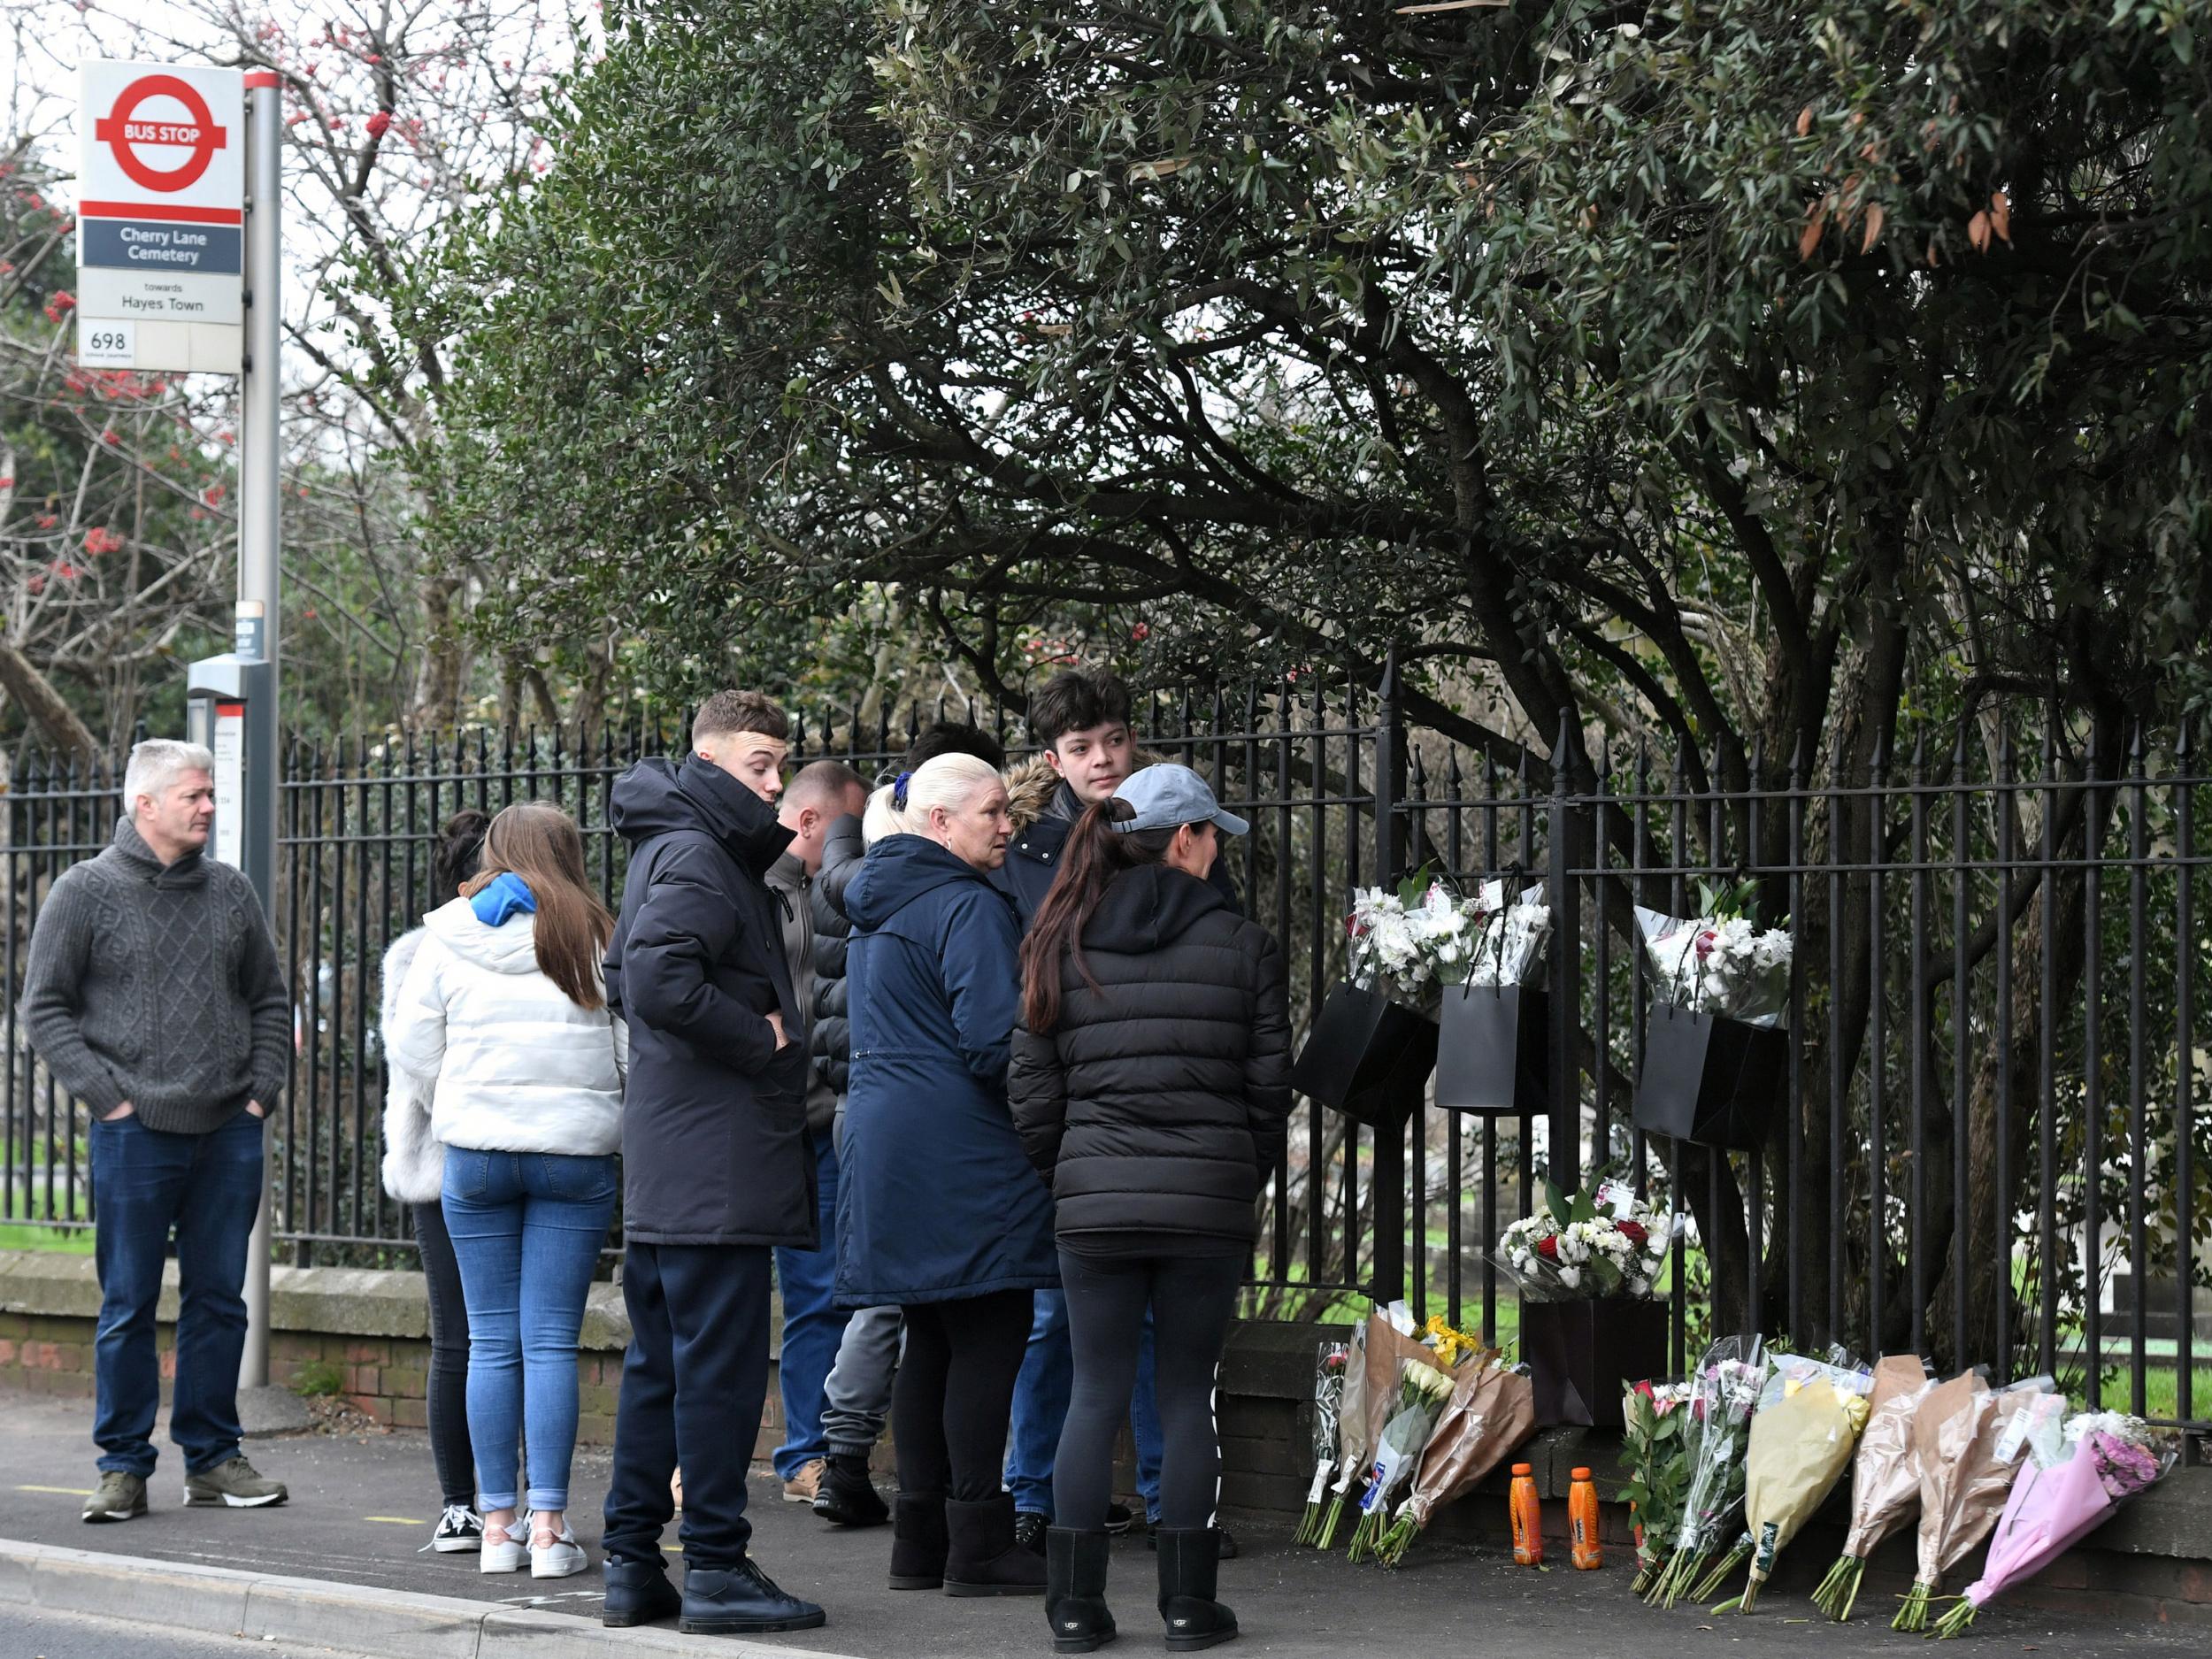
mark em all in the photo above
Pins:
pixel 260 493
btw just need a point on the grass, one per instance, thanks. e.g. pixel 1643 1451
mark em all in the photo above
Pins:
pixel 61 1240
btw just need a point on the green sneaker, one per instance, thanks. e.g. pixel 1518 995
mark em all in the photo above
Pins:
pixel 119 1498
pixel 235 1485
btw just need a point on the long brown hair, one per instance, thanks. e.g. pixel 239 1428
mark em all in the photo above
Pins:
pixel 538 841
pixel 1096 852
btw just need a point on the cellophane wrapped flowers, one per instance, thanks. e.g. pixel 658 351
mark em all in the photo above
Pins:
pixel 1607 1243
pixel 1965 1461
pixel 1491 1410
pixel 1729 1381
pixel 1802 1440
pixel 2063 1493
pixel 1719 960
pixel 1422 1392
pixel 1331 1360
pixel 1884 1484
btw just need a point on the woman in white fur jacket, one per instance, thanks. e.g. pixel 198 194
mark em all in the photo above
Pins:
pixel 414 1173
pixel 504 1016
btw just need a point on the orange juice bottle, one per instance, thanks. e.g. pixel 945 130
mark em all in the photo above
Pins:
pixel 1528 1517
pixel 1582 1523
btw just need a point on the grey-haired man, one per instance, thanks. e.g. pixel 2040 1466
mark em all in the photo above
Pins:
pixel 154 995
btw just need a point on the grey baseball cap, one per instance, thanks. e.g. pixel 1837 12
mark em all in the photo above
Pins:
pixel 1168 798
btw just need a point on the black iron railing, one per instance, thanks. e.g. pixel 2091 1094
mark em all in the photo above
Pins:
pixel 2017 1176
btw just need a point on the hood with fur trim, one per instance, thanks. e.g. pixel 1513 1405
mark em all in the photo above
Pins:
pixel 1030 785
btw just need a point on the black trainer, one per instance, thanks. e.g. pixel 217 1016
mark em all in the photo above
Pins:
pixel 637 1593
pixel 741 1601
pixel 847 1496
pixel 1029 1531
pixel 1119 1518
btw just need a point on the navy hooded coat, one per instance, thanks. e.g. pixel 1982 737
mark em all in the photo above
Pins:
pixel 714 1144
pixel 935 1200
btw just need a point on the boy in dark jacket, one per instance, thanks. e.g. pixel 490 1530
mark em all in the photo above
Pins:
pixel 715 1165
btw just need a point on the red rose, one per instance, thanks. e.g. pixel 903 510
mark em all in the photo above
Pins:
pixel 1633 1231
pixel 1549 1248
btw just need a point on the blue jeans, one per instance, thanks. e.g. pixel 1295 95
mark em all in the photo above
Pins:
pixel 1041 1410
pixel 208 1187
pixel 812 1327
pixel 526 1228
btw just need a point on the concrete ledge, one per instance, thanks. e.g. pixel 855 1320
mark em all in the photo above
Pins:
pixel 333 1300
pixel 351 1618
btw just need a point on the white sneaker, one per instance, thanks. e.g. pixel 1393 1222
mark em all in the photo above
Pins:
pixel 561 1557
pixel 506 1548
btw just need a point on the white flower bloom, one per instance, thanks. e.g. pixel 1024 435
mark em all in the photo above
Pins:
pixel 1571 1277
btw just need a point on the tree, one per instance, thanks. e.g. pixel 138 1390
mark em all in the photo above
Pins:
pixel 1781 394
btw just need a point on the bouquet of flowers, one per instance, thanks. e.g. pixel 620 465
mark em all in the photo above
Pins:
pixel 1659 1429
pixel 1352 1444
pixel 1387 1339
pixel 1802 1440
pixel 1422 1392
pixel 1331 1361
pixel 1492 1409
pixel 1730 1380
pixel 1424 931
pixel 1509 934
pixel 2063 1494
pixel 1719 960
pixel 1402 937
pixel 1603 1244
pixel 1885 1485
pixel 1957 1438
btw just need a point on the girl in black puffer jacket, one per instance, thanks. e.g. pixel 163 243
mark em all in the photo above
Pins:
pixel 1150 1083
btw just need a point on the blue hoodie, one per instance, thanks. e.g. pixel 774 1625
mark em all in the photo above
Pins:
pixel 935 1200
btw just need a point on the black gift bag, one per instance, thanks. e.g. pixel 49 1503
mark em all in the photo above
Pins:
pixel 1493 1049
pixel 1582 1356
pixel 1710 1080
pixel 1366 1056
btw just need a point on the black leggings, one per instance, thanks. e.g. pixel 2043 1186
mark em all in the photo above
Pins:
pixel 446 1397
pixel 1192 1298
pixel 956 1391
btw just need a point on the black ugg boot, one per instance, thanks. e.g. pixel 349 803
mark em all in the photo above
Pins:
pixel 984 1558
pixel 918 1541
pixel 847 1496
pixel 1190 1564
pixel 1075 1590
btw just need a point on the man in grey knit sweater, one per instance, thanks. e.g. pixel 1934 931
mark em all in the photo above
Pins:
pixel 154 995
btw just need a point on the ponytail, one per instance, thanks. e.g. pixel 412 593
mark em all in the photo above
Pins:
pixel 1096 854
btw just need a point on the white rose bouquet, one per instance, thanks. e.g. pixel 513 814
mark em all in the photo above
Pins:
pixel 1424 931
pixel 1719 962
pixel 1584 1246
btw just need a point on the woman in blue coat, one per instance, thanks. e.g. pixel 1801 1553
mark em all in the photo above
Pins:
pixel 939 1211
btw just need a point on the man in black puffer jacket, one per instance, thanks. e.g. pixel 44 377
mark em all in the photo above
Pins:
pixel 856 1399
pixel 1150 1082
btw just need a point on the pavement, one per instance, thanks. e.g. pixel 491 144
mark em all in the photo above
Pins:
pixel 338 1570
